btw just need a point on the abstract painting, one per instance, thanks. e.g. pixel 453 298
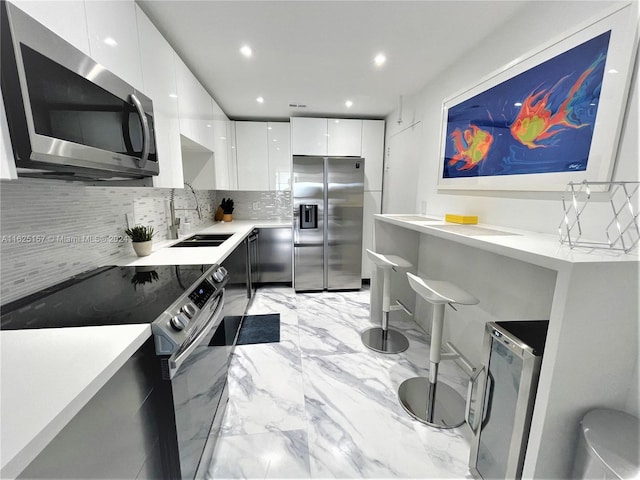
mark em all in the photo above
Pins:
pixel 539 121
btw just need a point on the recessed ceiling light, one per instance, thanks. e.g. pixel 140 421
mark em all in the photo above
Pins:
pixel 246 51
pixel 173 95
pixel 260 100
pixel 380 59
pixel 348 103
pixel 613 70
pixel 110 41
pixel 517 104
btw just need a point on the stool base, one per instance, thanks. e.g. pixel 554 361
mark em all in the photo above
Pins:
pixel 392 342
pixel 449 404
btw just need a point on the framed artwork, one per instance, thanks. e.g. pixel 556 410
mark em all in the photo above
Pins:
pixel 549 118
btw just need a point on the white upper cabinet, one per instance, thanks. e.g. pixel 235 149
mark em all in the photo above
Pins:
pixel 373 153
pixel 263 155
pixel 279 138
pixel 195 106
pixel 344 137
pixel 159 79
pixel 7 164
pixel 326 136
pixel 309 136
pixel 67 19
pixel 252 154
pixel 113 38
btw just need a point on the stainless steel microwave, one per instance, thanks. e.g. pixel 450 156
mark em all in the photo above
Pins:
pixel 68 116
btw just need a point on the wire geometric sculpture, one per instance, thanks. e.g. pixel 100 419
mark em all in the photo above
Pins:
pixel 621 233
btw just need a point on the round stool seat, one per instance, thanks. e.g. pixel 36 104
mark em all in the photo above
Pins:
pixel 387 261
pixel 438 291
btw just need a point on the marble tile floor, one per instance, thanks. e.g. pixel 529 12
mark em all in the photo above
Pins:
pixel 319 404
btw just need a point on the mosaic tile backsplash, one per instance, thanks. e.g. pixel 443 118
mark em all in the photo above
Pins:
pixel 54 230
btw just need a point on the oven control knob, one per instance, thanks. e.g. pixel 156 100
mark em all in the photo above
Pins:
pixel 219 274
pixel 178 322
pixel 189 310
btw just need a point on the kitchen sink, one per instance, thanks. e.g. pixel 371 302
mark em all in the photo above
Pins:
pixel 204 240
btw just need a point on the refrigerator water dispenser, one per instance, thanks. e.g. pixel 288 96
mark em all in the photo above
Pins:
pixel 308 216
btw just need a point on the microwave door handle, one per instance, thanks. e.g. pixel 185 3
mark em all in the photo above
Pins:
pixel 145 128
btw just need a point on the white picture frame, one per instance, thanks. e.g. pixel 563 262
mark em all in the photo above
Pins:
pixel 622 22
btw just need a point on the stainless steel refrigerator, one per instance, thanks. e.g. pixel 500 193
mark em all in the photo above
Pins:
pixel 328 195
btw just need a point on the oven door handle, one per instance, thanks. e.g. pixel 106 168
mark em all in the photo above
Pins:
pixel 176 360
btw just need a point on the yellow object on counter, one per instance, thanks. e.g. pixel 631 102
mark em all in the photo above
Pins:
pixel 465 219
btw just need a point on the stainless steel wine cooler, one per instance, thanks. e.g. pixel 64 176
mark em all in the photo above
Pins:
pixel 506 385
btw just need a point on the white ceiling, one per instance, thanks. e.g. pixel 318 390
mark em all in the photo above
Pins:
pixel 320 53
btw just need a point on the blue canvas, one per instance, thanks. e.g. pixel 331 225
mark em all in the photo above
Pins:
pixel 539 121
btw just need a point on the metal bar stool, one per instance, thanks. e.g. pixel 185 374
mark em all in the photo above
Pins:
pixel 384 339
pixel 425 399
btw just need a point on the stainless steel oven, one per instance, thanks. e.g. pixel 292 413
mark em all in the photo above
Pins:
pixel 194 353
pixel 185 307
pixel 68 116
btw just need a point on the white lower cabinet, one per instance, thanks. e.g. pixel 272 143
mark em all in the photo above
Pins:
pixel 372 205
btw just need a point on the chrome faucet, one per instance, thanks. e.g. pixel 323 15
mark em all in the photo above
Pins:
pixel 175 222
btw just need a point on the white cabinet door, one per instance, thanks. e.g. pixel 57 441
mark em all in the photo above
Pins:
pixel 372 205
pixel 67 19
pixel 373 153
pixel 158 72
pixel 195 106
pixel 278 136
pixel 221 158
pixel 7 163
pixel 232 156
pixel 252 155
pixel 309 136
pixel 344 137
pixel 113 38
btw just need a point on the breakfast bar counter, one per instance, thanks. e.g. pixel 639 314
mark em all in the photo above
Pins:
pixel 589 296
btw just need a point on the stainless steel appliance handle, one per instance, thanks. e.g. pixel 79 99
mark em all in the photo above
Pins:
pixel 467 410
pixel 176 360
pixel 146 137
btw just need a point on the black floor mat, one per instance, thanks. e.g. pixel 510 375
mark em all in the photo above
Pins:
pixel 260 329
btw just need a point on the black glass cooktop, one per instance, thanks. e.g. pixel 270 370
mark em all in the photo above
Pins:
pixel 106 296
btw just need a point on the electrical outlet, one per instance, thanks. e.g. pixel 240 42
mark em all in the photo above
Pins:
pixel 256 205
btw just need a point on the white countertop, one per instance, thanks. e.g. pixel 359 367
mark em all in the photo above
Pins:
pixel 163 255
pixel 536 248
pixel 48 375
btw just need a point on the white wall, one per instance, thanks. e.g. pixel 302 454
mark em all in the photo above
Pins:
pixel 536 211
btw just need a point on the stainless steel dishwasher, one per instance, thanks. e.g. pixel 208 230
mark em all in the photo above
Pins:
pixel 507 384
